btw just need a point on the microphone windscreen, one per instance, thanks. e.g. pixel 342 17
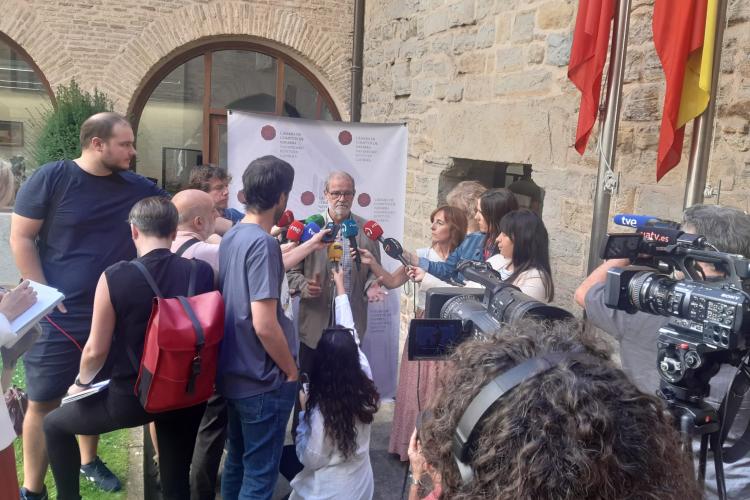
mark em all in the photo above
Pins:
pixel 633 220
pixel 311 229
pixel 317 219
pixel 372 230
pixel 286 218
pixel 349 228
pixel 335 251
pixel 294 233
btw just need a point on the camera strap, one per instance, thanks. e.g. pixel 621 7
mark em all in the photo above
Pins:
pixel 728 411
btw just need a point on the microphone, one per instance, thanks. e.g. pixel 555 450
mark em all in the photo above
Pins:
pixel 333 231
pixel 392 247
pixel 335 253
pixel 286 218
pixel 311 229
pixel 294 233
pixel 660 236
pixel 640 221
pixel 317 219
pixel 349 230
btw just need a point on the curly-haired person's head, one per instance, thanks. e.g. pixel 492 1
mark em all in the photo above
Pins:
pixel 339 388
pixel 580 430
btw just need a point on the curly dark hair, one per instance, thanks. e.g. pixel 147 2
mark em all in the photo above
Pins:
pixel 340 389
pixel 581 430
pixel 202 175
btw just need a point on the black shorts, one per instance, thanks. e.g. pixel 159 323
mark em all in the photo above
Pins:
pixel 52 363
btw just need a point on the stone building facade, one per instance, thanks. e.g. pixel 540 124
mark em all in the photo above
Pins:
pixel 487 80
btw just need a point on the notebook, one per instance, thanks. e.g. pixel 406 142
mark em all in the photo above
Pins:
pixel 94 389
pixel 47 299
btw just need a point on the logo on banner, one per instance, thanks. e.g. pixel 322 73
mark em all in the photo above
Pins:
pixel 345 137
pixel 268 132
pixel 307 198
pixel 364 200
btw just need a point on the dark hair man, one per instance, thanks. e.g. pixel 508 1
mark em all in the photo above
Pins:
pixel 580 430
pixel 729 230
pixel 308 276
pixel 215 181
pixel 69 225
pixel 257 368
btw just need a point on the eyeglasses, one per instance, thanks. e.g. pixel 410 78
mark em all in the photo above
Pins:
pixel 341 194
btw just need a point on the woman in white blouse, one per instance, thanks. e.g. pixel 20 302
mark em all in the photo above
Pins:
pixel 333 435
pixel 524 254
pixel 12 304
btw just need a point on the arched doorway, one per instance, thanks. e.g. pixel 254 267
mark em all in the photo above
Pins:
pixel 24 96
pixel 181 114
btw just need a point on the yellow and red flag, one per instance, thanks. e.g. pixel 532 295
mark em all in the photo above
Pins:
pixel 587 57
pixel 684 39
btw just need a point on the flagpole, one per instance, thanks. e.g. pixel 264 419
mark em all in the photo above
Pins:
pixel 608 137
pixel 700 146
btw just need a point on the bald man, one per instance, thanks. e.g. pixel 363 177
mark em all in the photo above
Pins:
pixel 196 225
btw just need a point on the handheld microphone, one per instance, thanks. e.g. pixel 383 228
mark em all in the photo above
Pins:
pixel 349 230
pixel 311 229
pixel 394 250
pixel 294 233
pixel 331 236
pixel 286 218
pixel 392 247
pixel 641 221
pixel 317 219
pixel 373 230
pixel 335 253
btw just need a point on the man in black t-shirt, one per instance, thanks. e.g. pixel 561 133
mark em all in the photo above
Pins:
pixel 69 224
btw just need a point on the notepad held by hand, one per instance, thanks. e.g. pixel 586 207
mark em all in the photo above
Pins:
pixel 47 299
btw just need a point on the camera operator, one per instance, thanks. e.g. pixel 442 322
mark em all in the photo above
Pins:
pixel 577 430
pixel 728 229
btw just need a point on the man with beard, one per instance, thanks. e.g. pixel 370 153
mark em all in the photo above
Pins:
pixel 257 372
pixel 310 277
pixel 68 226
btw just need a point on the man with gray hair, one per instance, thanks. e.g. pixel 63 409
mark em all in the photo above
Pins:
pixel 728 229
pixel 310 277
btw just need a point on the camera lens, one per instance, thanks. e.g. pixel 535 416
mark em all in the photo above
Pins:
pixel 651 292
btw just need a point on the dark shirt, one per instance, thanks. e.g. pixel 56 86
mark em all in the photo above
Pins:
pixel 132 298
pixel 250 270
pixel 85 230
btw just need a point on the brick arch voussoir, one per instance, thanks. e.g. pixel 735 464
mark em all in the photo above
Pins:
pixel 167 36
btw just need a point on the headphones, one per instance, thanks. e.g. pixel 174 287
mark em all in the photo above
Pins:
pixel 490 395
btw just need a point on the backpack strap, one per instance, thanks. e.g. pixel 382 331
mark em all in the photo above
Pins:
pixel 183 248
pixel 191 280
pixel 200 340
pixel 149 278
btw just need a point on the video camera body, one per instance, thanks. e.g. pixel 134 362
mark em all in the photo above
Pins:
pixel 708 320
pixel 454 314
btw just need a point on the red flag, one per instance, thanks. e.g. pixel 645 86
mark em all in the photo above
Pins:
pixel 587 57
pixel 678 31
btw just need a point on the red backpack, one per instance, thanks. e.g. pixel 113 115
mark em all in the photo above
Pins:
pixel 181 348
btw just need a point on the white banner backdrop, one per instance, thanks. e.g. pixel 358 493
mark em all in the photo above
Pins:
pixel 375 155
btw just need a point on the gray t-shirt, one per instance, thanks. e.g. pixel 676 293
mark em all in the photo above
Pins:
pixel 637 335
pixel 250 270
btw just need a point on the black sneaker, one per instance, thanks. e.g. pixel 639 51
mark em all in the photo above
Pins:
pixel 27 495
pixel 100 475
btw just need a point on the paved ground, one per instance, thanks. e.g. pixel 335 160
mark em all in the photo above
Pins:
pixel 389 471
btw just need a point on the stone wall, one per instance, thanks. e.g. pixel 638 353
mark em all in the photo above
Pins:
pixel 486 80
pixel 116 46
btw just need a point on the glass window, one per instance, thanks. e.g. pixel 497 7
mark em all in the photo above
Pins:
pixel 23 97
pixel 170 132
pixel 243 80
pixel 300 97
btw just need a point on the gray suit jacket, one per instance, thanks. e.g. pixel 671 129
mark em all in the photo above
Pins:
pixel 315 312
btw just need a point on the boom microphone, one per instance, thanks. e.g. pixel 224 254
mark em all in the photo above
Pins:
pixel 294 233
pixel 286 218
pixel 349 230
pixel 311 229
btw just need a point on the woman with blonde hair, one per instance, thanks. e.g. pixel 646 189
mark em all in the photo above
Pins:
pixel 464 196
